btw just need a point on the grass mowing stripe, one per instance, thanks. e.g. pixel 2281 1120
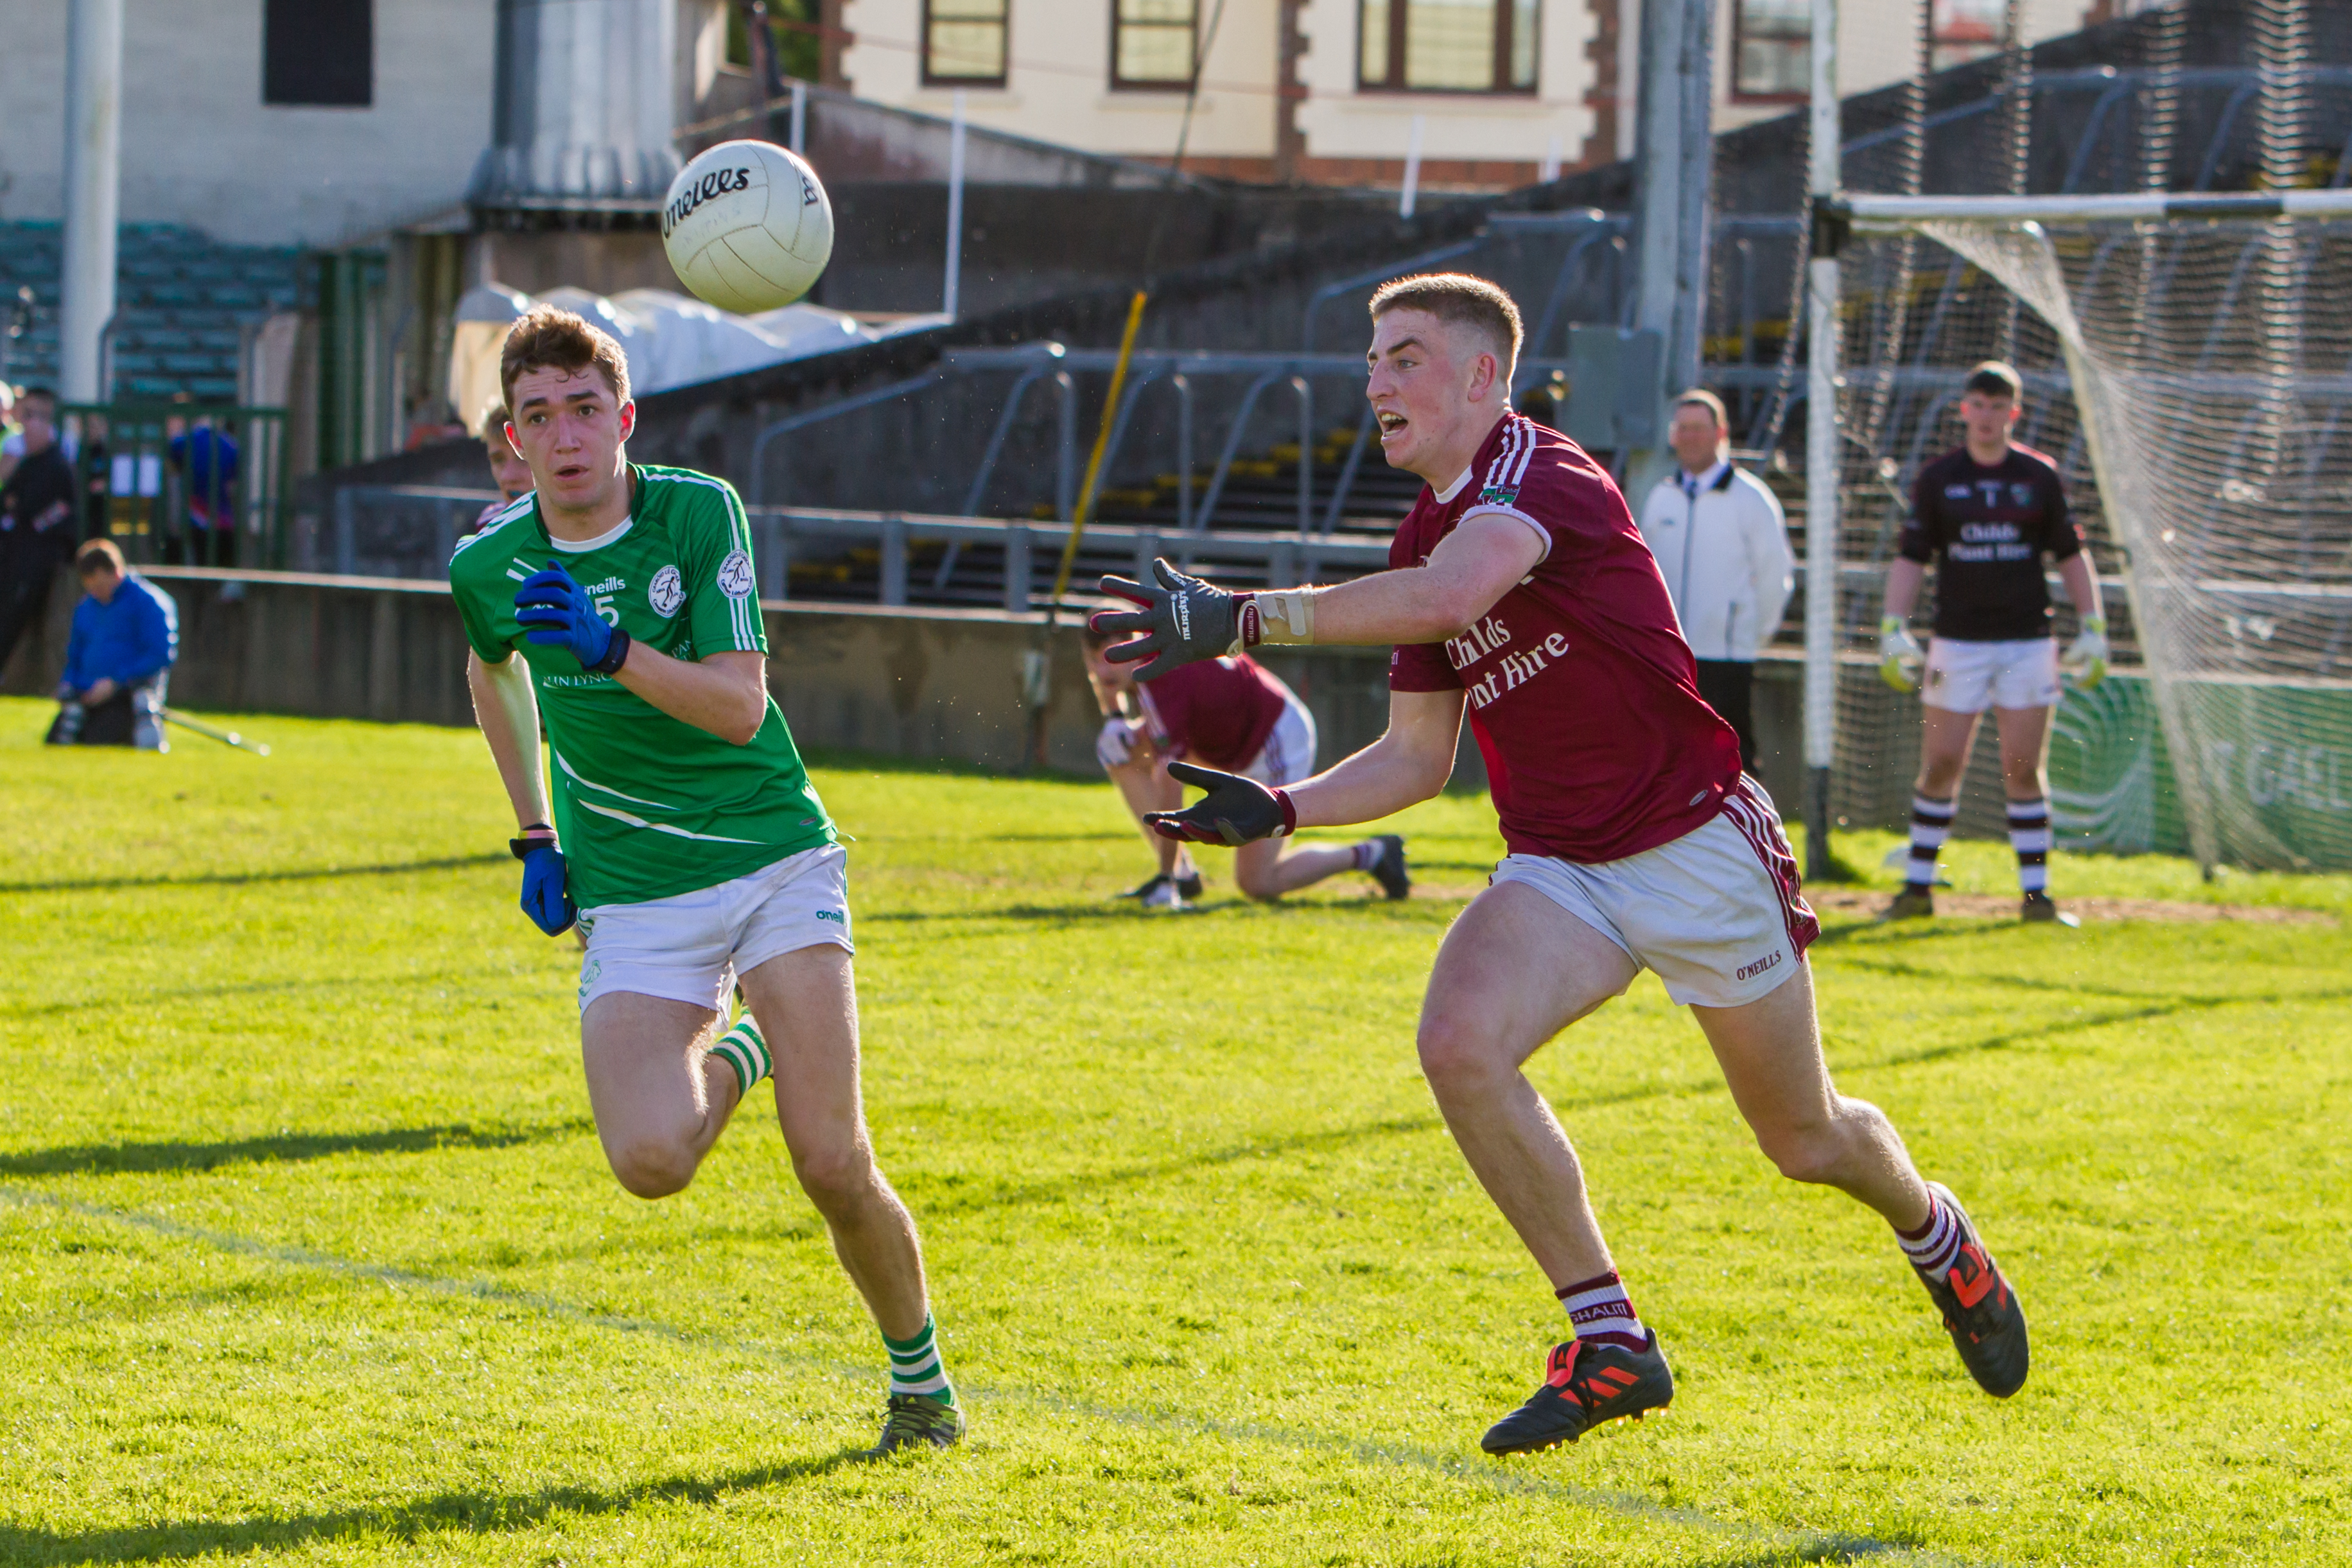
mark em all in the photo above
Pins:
pixel 1808 1545
pixel 240 878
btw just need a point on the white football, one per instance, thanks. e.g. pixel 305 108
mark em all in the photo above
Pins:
pixel 747 227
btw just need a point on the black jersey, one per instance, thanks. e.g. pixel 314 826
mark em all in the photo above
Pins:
pixel 1987 528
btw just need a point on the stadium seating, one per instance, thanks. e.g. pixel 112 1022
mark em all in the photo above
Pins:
pixel 181 299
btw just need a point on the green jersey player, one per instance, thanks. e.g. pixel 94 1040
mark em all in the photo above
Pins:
pixel 685 837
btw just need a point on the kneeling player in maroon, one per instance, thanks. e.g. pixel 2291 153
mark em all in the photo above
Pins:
pixel 1237 716
pixel 1520 590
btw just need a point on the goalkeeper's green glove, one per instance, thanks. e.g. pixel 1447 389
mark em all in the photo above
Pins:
pixel 2085 662
pixel 1898 654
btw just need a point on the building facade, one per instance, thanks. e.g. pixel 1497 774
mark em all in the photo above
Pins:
pixel 1337 91
pixel 318 125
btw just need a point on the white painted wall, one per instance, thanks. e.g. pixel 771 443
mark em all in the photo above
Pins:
pixel 200 148
pixel 1341 122
pixel 1058 78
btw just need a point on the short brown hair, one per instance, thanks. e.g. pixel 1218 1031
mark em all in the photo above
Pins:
pixel 551 338
pixel 99 554
pixel 1461 299
pixel 492 425
pixel 1995 379
pixel 1700 397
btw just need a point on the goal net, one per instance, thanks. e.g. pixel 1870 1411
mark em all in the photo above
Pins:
pixel 2187 364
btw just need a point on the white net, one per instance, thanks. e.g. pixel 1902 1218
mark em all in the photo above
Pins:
pixel 2193 380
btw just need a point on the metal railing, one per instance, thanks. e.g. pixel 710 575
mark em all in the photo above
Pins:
pixel 401 530
pixel 371 518
pixel 182 483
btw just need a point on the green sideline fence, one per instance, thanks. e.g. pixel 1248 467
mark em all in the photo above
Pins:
pixel 2277 768
pixel 155 476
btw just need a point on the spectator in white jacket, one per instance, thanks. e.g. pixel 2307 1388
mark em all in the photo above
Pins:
pixel 1723 545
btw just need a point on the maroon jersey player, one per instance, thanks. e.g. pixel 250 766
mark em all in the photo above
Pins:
pixel 1236 715
pixel 1521 591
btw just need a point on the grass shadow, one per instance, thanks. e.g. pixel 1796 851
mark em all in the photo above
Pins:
pixel 180 1158
pixel 472 1512
pixel 240 878
pixel 933 1198
pixel 337 982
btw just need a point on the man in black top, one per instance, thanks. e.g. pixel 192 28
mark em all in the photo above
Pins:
pixel 1985 515
pixel 37 531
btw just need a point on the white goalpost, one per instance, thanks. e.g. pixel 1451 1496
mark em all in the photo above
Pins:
pixel 2189 364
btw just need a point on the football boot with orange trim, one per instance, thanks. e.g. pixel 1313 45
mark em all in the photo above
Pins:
pixel 1981 1311
pixel 1585 1386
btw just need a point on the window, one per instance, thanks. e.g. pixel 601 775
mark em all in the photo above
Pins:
pixel 1965 30
pixel 963 42
pixel 1447 46
pixel 319 52
pixel 1152 42
pixel 1772 48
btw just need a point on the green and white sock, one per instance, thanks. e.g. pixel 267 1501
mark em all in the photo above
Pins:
pixel 741 1049
pixel 915 1365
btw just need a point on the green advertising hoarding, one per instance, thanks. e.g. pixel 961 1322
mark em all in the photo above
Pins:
pixel 2273 761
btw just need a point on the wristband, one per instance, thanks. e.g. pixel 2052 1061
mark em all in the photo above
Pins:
pixel 1284 617
pixel 521 845
pixel 616 654
pixel 1289 815
pixel 2096 623
pixel 1889 624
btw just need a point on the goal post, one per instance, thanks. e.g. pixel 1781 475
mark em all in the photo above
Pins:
pixel 2189 363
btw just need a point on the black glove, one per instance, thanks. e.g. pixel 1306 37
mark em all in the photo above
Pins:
pixel 1238 811
pixel 1183 620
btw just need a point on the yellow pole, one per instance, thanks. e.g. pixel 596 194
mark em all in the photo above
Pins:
pixel 1093 462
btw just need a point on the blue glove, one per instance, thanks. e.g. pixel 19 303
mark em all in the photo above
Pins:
pixel 556 613
pixel 544 897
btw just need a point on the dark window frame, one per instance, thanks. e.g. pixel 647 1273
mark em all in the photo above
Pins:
pixel 297 36
pixel 1739 36
pixel 1003 25
pixel 1152 84
pixel 1500 73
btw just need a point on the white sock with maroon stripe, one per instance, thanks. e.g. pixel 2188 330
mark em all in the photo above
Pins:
pixel 1599 1310
pixel 1369 853
pixel 1934 1245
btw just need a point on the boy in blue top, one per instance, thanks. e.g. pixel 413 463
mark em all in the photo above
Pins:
pixel 126 635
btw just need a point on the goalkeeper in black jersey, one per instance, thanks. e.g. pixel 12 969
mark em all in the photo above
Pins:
pixel 1985 516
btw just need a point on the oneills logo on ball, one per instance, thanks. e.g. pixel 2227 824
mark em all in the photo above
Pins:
pixel 712 185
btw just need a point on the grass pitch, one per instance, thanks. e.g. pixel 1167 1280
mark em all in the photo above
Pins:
pixel 310 1255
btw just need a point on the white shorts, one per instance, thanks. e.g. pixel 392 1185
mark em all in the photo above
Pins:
pixel 690 947
pixel 1289 755
pixel 1970 677
pixel 1717 912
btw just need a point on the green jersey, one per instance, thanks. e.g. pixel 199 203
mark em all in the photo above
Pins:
pixel 648 805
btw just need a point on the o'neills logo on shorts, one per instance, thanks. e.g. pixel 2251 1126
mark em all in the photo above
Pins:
pixel 711 187
pixel 1750 971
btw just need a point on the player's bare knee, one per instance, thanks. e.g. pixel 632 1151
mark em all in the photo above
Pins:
pixel 1456 1054
pixel 652 1167
pixel 1261 886
pixel 836 1177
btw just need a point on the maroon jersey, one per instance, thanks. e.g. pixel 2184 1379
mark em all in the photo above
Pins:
pixel 1582 693
pixel 1217 711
